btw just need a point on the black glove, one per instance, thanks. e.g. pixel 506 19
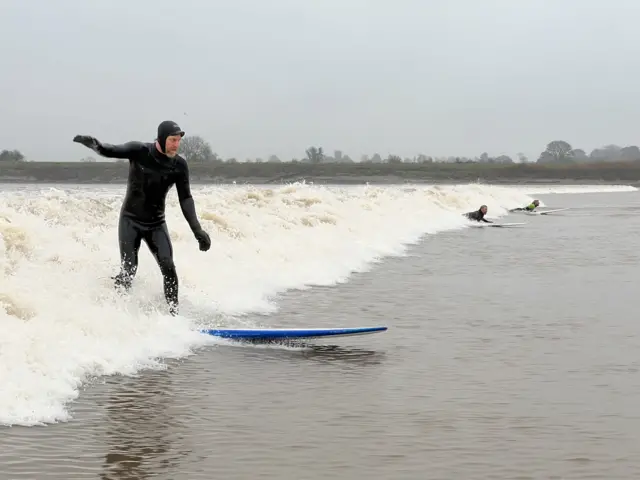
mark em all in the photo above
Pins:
pixel 203 239
pixel 87 141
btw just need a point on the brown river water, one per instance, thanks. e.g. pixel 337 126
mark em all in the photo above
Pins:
pixel 511 354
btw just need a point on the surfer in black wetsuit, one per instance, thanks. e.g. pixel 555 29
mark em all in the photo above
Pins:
pixel 153 169
pixel 529 208
pixel 478 215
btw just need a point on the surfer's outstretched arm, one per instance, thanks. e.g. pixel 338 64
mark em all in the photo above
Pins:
pixel 125 150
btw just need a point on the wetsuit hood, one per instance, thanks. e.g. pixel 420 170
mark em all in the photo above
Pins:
pixel 166 129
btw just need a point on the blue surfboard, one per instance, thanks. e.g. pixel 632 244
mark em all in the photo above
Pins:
pixel 271 334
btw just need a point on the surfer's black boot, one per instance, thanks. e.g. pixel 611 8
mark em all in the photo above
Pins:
pixel 122 282
pixel 170 284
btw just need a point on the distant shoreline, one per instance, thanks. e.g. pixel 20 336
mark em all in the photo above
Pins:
pixel 335 173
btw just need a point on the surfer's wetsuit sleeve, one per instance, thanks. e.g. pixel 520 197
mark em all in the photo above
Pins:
pixel 187 205
pixel 126 150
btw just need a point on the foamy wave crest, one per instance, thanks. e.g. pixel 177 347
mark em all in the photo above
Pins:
pixel 62 323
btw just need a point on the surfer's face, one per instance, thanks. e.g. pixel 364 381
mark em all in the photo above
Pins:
pixel 483 209
pixel 172 144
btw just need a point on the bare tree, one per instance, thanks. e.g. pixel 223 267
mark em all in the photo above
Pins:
pixel 197 149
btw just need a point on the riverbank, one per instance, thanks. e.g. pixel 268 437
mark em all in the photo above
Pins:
pixel 334 173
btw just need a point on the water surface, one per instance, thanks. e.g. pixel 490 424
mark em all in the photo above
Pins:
pixel 512 353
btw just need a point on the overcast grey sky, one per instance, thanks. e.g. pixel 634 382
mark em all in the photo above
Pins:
pixel 261 77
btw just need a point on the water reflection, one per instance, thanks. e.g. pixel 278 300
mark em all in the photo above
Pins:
pixel 143 430
pixel 296 351
pixel 336 353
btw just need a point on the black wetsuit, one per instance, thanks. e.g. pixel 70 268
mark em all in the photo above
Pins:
pixel 478 216
pixel 151 175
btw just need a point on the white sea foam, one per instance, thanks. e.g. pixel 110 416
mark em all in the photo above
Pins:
pixel 62 323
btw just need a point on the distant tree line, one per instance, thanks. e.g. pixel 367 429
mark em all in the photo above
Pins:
pixel 11 156
pixel 560 151
pixel 196 149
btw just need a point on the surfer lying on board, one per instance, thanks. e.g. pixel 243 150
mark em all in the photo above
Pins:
pixel 529 208
pixel 478 215
pixel 153 169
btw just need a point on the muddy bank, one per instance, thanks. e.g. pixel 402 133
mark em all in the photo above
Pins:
pixel 334 173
